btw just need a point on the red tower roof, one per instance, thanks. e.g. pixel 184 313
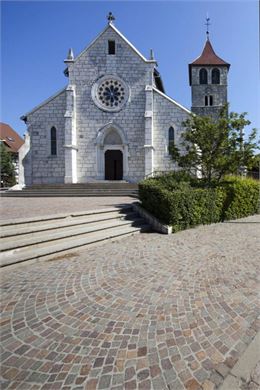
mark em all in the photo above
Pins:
pixel 209 57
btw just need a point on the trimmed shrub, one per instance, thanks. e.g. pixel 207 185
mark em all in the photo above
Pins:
pixel 182 204
pixel 182 208
pixel 242 197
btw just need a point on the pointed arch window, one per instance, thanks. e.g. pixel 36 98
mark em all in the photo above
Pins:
pixel 53 141
pixel 171 138
pixel 215 76
pixel 203 76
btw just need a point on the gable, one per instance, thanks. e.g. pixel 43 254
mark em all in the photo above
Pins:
pixel 111 32
pixel 95 60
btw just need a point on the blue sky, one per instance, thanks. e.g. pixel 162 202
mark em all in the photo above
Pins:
pixel 36 35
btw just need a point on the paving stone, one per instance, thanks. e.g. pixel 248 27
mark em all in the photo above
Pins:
pixel 91 384
pixel 145 385
pixel 222 369
pixel 104 382
pixel 141 375
pixel 208 385
pixel 129 373
pixel 150 307
pixel 201 375
pixel 192 384
pixel 142 351
pixel 216 378
pixel 131 385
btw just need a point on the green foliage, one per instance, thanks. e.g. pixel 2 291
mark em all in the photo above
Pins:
pixel 181 208
pixel 184 204
pixel 215 148
pixel 242 198
pixel 254 163
pixel 7 167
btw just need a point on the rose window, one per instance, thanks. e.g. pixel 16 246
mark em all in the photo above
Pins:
pixel 111 93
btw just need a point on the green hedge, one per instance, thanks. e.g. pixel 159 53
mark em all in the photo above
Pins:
pixel 242 197
pixel 182 206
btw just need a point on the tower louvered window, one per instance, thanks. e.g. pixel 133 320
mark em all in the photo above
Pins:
pixel 215 76
pixel 203 76
pixel 53 141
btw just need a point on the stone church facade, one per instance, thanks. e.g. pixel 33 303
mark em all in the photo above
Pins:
pixel 113 121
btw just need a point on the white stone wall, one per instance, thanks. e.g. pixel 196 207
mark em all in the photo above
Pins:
pixel 142 123
pixel 41 166
pixel 166 114
pixel 91 65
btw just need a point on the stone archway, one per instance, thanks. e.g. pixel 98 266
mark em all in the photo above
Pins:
pixel 112 153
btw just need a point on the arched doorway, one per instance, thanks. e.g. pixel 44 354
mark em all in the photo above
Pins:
pixel 112 153
pixel 113 165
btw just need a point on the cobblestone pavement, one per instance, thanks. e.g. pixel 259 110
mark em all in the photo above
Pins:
pixel 30 207
pixel 148 311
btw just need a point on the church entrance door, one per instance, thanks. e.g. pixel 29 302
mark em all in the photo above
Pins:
pixel 113 165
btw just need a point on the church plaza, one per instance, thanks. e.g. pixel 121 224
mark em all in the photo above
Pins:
pixel 148 311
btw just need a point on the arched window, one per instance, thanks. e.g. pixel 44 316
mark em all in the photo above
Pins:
pixel 170 137
pixel 53 141
pixel 203 76
pixel 215 76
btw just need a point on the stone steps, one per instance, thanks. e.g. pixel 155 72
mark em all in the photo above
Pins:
pixel 100 184
pixel 79 190
pixel 70 193
pixel 16 228
pixel 36 238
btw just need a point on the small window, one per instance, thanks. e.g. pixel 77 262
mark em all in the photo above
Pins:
pixel 111 47
pixel 203 76
pixel 215 76
pixel 53 141
pixel 206 101
pixel 211 100
pixel 171 138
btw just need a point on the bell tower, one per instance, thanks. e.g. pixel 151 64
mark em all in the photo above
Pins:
pixel 208 75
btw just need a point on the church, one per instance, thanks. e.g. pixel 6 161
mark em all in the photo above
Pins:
pixel 113 120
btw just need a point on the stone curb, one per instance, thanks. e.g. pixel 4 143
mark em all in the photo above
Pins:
pixel 241 372
pixel 154 222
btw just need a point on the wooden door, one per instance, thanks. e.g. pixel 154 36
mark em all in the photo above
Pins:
pixel 113 165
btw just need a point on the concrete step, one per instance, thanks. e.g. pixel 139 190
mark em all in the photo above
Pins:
pixel 35 239
pixel 41 194
pixel 61 216
pixel 67 245
pixel 99 184
pixel 101 188
pixel 31 227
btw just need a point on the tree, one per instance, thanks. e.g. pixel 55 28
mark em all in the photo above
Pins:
pixel 215 148
pixel 254 167
pixel 7 167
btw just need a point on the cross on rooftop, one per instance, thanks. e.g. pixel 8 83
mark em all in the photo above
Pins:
pixel 207 24
pixel 110 17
